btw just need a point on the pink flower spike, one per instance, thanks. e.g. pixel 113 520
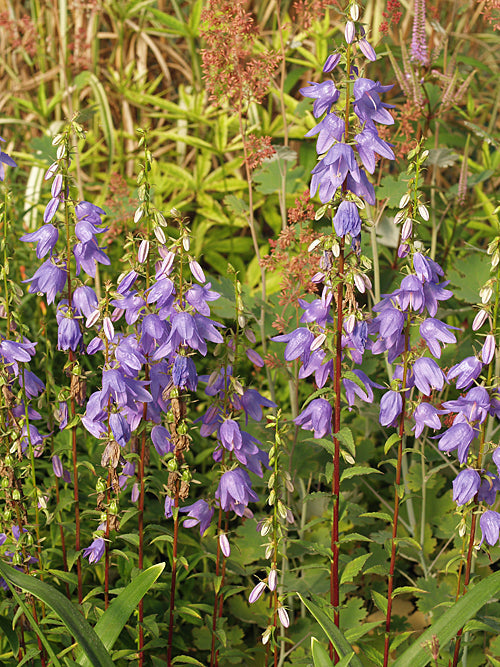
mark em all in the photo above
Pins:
pixel 224 545
pixel 197 271
pixel 109 329
pixel 488 351
pixel 350 32
pixel 283 616
pixel 143 253
pixel 256 592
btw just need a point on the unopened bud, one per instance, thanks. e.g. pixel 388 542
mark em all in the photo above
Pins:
pixel 256 592
pixel 479 320
pixel 143 253
pixel 404 200
pixel 406 229
pixel 424 212
pixel 349 32
pixel 272 579
pixel 160 234
pixel 349 323
pixel 354 11
pixel 186 244
pixel 224 545
pixel 488 351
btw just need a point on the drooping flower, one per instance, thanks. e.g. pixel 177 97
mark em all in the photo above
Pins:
pixel 316 417
pixel 434 331
pixel 324 94
pixel 490 527
pixel 45 237
pixel 235 491
pixel 466 372
pixel 465 486
pixel 347 220
pixel 428 375
pixel 391 405
pixel 95 551
pixel 459 436
pixel 49 279
pixel 200 513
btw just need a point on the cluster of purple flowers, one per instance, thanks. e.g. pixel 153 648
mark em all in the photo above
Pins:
pixel 344 161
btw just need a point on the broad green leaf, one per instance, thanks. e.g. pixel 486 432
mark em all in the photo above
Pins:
pixel 406 589
pixel 319 654
pixel 65 610
pixel 337 638
pixel 8 632
pixel 352 568
pixel 111 623
pixel 447 625
pixel 345 437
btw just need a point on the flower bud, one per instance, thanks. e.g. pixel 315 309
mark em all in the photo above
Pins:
pixel 406 229
pixel 318 342
pixel 272 579
pixel 350 32
pixel 160 234
pixel 186 244
pixel 197 271
pixel 479 320
pixel 109 330
pixel 57 185
pixel 283 616
pixel 424 212
pixel 349 323
pixel 143 253
pixel 224 545
pixel 354 11
pixel 404 200
pixel 256 592
pixel 488 351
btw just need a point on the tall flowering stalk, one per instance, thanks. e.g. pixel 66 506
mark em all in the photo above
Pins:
pixel 475 487
pixel 347 145
pixel 414 374
pixel 81 223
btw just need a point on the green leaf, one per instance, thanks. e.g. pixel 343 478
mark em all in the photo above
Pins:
pixel 6 627
pixel 380 601
pixel 352 568
pixel 65 610
pixel 337 638
pixel 345 437
pixel 319 654
pixel 358 470
pixel 111 623
pixel 406 589
pixel 186 660
pixel 447 626
pixel 392 440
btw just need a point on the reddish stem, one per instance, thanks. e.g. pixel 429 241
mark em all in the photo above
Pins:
pixel 172 585
pixel 141 529
pixel 334 568
pixel 390 585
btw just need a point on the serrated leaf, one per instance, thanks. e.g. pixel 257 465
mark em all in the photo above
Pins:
pixel 325 443
pixel 380 601
pixel 358 470
pixel 352 568
pixel 406 589
pixel 377 515
pixel 442 157
pixel 345 437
